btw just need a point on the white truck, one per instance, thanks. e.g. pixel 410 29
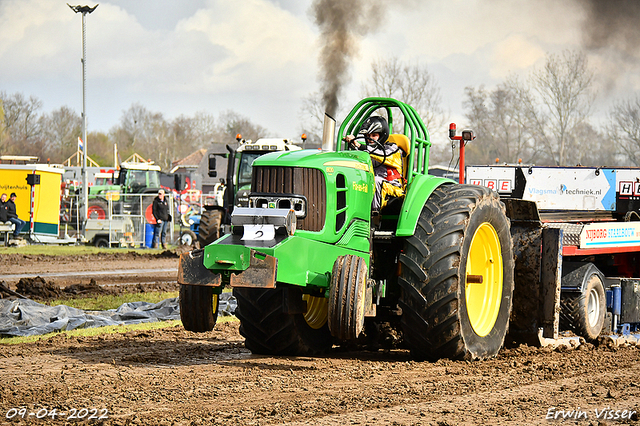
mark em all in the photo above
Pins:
pixel 592 218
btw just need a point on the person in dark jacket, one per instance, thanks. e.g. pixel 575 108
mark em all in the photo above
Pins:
pixel 13 216
pixel 162 216
pixel 3 209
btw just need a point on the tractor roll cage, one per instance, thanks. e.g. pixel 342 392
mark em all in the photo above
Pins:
pixel 414 129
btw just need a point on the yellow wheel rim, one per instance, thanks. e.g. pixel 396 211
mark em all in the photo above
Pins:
pixel 317 311
pixel 483 284
pixel 214 305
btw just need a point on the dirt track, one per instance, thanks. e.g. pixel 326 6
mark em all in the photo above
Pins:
pixel 171 376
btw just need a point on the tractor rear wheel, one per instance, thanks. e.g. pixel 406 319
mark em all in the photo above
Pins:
pixel 97 209
pixel 269 330
pixel 457 276
pixel 198 308
pixel 209 229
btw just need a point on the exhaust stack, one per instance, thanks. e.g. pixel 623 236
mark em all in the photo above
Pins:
pixel 328 132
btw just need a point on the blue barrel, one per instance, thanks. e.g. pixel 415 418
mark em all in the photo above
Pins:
pixel 617 299
pixel 148 235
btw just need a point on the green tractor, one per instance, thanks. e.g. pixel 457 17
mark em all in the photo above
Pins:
pixel 311 268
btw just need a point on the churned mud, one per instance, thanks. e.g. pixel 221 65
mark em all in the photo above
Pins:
pixel 175 377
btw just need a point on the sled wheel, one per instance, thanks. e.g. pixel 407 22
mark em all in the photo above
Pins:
pixel 187 238
pixel 198 308
pixel 209 230
pixel 268 330
pixel 347 297
pixel 584 313
pixel 457 276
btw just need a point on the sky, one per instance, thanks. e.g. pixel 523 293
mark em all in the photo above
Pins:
pixel 260 58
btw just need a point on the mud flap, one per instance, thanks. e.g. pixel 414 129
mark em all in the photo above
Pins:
pixel 369 302
pixel 260 274
pixel 191 270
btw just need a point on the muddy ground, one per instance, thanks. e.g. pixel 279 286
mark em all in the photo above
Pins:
pixel 175 377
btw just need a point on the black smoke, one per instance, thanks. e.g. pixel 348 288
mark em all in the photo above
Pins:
pixel 612 23
pixel 342 23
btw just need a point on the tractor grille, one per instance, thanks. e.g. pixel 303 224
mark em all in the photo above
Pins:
pixel 299 181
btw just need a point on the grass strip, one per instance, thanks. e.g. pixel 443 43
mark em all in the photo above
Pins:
pixel 98 331
pixel 111 301
pixel 70 250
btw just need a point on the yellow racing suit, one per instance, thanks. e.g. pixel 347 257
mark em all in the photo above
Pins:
pixel 388 175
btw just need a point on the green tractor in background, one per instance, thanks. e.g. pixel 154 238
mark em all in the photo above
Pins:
pixel 310 268
pixel 217 207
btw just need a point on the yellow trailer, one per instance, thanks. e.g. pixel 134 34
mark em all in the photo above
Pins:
pixel 46 195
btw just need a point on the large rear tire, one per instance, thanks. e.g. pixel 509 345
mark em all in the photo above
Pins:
pixel 209 229
pixel 457 276
pixel 97 209
pixel 269 330
pixel 198 308
pixel 584 313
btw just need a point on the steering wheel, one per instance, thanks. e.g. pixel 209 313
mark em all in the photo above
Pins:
pixel 379 145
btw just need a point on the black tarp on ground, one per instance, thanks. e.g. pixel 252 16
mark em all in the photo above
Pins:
pixel 25 317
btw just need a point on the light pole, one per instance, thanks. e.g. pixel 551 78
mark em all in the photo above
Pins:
pixel 85 184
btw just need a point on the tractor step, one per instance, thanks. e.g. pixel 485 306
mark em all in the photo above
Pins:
pixel 384 235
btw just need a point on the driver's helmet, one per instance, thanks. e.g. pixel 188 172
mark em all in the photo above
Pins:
pixel 375 124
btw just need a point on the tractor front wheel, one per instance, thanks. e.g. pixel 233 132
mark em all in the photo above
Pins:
pixel 457 276
pixel 187 238
pixel 269 330
pixel 198 308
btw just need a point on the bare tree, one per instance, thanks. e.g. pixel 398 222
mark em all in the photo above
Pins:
pixel 61 130
pixel 545 120
pixel 146 133
pixel 623 128
pixel 412 84
pixel 4 131
pixel 500 124
pixel 204 130
pixel 231 123
pixel 23 124
pixel 560 100
pixel 594 149
pixel 101 149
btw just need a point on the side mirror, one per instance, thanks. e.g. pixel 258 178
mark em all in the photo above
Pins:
pixel 212 166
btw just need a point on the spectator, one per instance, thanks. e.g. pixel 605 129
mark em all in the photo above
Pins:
pixel 13 216
pixel 3 209
pixel 161 214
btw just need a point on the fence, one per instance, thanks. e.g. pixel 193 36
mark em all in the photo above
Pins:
pixel 114 220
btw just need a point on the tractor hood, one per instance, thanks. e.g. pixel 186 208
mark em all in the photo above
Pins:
pixel 312 158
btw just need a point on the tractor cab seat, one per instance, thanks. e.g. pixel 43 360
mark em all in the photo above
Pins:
pixel 404 144
pixel 394 204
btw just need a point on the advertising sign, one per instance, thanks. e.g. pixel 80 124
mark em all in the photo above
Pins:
pixel 563 188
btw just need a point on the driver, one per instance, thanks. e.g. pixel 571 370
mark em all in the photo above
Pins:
pixel 386 158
